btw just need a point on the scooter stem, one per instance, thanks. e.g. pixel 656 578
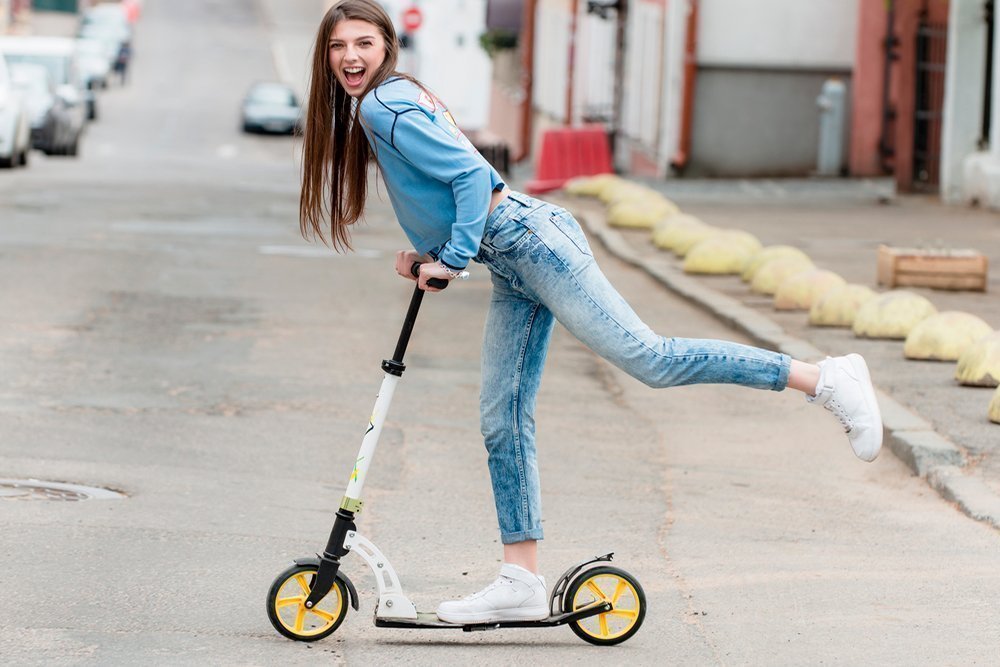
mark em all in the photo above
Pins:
pixel 404 334
pixel 351 502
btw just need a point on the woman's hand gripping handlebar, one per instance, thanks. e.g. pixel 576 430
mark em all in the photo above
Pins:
pixel 430 276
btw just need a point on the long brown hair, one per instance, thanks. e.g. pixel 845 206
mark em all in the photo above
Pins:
pixel 335 152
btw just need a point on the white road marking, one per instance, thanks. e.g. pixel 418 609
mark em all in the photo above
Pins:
pixel 319 252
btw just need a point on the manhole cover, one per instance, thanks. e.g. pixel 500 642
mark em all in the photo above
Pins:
pixel 34 489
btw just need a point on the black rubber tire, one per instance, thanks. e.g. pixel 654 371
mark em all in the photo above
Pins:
pixel 580 580
pixel 272 611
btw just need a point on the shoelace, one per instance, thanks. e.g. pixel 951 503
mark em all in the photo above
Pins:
pixel 499 582
pixel 834 406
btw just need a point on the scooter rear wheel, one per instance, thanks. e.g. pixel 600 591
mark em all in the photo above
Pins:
pixel 613 585
pixel 286 605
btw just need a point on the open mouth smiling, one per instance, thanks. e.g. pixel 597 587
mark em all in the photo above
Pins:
pixel 354 76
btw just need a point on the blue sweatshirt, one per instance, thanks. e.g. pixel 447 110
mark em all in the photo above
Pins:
pixel 439 185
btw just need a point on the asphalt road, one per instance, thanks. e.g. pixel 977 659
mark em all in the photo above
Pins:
pixel 166 332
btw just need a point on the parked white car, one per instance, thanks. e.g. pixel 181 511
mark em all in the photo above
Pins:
pixel 59 55
pixel 95 62
pixel 50 119
pixel 15 131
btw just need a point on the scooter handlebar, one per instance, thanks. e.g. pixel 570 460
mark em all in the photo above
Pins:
pixel 436 283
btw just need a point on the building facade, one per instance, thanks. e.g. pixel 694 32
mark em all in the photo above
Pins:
pixel 14 15
pixel 695 87
pixel 732 88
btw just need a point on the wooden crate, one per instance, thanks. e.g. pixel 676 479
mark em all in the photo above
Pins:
pixel 940 269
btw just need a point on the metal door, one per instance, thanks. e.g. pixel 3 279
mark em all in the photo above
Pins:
pixel 932 44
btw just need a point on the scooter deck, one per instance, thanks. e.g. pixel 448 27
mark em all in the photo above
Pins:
pixel 430 620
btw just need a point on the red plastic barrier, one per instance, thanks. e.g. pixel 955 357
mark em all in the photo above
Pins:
pixel 569 152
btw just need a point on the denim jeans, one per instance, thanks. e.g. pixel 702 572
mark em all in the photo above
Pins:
pixel 542 271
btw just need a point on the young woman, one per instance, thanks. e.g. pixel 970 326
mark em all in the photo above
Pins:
pixel 455 208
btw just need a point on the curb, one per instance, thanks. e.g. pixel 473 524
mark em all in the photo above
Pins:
pixel 911 438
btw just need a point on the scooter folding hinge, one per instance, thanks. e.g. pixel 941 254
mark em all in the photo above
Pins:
pixel 351 504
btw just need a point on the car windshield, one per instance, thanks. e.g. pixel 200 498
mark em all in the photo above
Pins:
pixel 56 65
pixel 103 31
pixel 29 79
pixel 105 16
pixel 91 47
pixel 272 95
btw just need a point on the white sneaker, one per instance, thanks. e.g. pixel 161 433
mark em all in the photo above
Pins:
pixel 845 389
pixel 516 595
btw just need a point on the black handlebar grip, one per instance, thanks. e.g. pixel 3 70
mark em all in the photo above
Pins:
pixel 436 283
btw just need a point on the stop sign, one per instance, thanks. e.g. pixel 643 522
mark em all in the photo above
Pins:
pixel 412 18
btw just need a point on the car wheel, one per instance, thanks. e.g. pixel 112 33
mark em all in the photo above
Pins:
pixel 8 162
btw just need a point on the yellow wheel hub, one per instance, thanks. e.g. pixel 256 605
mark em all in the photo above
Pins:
pixel 290 606
pixel 624 601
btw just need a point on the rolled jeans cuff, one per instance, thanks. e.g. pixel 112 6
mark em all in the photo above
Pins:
pixel 522 536
pixel 781 382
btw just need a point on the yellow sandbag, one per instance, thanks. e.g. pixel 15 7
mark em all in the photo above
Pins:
pixel 621 189
pixel 979 365
pixel 892 315
pixel 638 193
pixel 745 239
pixel 767 254
pixel 666 232
pixel 994 411
pixel 640 213
pixel 943 337
pixel 590 186
pixel 801 290
pixel 839 306
pixel 772 273
pixel 719 254
pixel 688 237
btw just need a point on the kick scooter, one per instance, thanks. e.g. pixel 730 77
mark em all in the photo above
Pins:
pixel 602 604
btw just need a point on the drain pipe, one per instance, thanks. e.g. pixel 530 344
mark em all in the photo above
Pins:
pixel 527 77
pixel 683 154
pixel 571 65
pixel 618 94
pixel 886 149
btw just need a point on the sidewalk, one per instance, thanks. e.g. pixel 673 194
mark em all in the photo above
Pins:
pixel 934 425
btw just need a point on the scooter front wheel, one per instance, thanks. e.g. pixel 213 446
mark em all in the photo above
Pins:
pixel 606 584
pixel 286 605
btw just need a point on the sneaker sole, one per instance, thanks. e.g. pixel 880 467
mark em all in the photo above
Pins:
pixel 526 614
pixel 861 368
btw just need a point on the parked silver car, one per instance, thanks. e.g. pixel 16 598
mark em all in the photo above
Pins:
pixel 108 23
pixel 59 56
pixel 96 60
pixel 50 119
pixel 15 134
pixel 272 108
